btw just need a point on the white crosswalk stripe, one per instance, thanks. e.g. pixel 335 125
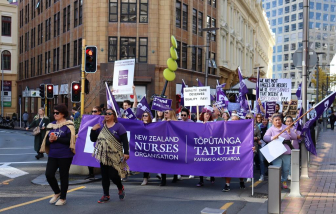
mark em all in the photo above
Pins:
pixel 11 172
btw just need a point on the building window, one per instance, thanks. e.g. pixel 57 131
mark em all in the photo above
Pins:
pixel 38 34
pixel 185 17
pixel 68 21
pixel 64 20
pixel 80 20
pixel 178 50
pixel 184 55
pixel 112 49
pixel 79 51
pixel 199 59
pixel 128 11
pixel 75 14
pixel 31 67
pixel 127 48
pixel 143 11
pixel 75 53
pixel 68 55
pixel 54 60
pixel 6 23
pixel 64 56
pixel 200 23
pixel 55 24
pixel 143 49
pixel 178 14
pixel 6 63
pixel 213 33
pixel 193 58
pixel 194 26
pixel 113 11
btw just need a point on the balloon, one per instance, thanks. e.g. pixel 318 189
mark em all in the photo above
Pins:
pixel 169 75
pixel 172 64
pixel 173 41
pixel 173 53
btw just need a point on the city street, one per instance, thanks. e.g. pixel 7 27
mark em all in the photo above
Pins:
pixel 18 167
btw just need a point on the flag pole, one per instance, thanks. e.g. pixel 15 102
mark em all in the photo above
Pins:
pixel 109 93
pixel 248 103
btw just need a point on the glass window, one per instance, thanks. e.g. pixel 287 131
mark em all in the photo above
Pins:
pixel 75 14
pixel 294 7
pixel 6 63
pixel 318 25
pixel 311 25
pixel 311 15
pixel 268 5
pixel 279 68
pixel 286 19
pixel 332 8
pixel 274 59
pixel 287 28
pixel 68 18
pixel 300 25
pixel 280 20
pixel 293 36
pixel 279 58
pixel 128 11
pixel 325 27
pixel 287 1
pixel 74 54
pixel 279 48
pixel 280 30
pixel 199 59
pixel 312 5
pixel 6 26
pixel 280 2
pixel 274 3
pixel 332 18
pixel 280 11
pixel 143 49
pixel 300 15
pixel 213 33
pixel 185 17
pixel 286 47
pixel 143 11
pixel 273 12
pixel 300 44
pixel 318 6
pixel 279 38
pixel 193 58
pixel 293 46
pixel 286 57
pixel 268 14
pixel 200 23
pixel 326 7
pixel 325 17
pixel 318 16
pixel 287 9
pixel 194 25
pixel 293 17
pixel 274 30
pixel 273 22
pixel 300 5
pixel 184 55
pixel 127 48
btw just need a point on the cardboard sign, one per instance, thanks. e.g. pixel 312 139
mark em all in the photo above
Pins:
pixel 292 108
pixel 197 96
pixel 270 109
pixel 278 90
pixel 161 104
pixel 123 76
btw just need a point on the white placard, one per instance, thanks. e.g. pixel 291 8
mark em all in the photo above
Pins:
pixel 197 96
pixel 89 145
pixel 274 149
pixel 278 90
pixel 123 76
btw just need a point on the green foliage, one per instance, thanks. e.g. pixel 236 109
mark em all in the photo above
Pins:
pixel 77 123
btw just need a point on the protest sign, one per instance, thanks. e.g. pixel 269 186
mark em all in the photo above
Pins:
pixel 270 109
pixel 292 108
pixel 161 104
pixel 123 76
pixel 172 147
pixel 273 149
pixel 129 114
pixel 197 96
pixel 277 90
pixel 233 107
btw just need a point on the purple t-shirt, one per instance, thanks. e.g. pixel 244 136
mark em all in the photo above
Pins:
pixel 117 130
pixel 57 149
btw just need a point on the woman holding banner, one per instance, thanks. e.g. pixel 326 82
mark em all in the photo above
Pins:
pixel 272 133
pixel 226 116
pixel 159 117
pixel 112 151
pixel 146 118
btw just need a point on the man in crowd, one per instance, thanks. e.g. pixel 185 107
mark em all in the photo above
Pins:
pixel 127 103
pixel 25 117
pixel 185 115
pixel 216 114
pixel 75 113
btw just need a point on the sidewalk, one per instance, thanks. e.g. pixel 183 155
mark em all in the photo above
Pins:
pixel 319 191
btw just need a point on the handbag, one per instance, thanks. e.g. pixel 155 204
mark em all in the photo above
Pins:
pixel 37 129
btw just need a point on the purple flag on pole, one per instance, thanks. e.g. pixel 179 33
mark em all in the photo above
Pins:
pixel 242 92
pixel 257 91
pixel 172 147
pixel 199 83
pixel 319 108
pixel 182 96
pixel 161 104
pixel 111 102
pixel 298 92
pixel 129 114
pixel 220 94
pixel 143 107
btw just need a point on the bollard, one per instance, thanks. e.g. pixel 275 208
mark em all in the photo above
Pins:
pixel 274 189
pixel 208 210
pixel 295 169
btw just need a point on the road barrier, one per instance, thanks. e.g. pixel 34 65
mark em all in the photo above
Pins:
pixel 274 189
pixel 295 169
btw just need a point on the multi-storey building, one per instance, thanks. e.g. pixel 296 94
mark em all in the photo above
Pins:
pixel 286 20
pixel 246 40
pixel 8 50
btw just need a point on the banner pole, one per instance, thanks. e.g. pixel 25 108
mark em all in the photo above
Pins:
pixel 252 186
pixel 82 78
pixel 247 102
pixel 111 100
pixel 197 110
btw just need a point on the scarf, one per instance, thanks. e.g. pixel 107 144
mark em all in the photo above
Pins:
pixel 109 151
pixel 70 125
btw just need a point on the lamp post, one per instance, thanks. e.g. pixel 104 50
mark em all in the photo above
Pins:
pixel 2 85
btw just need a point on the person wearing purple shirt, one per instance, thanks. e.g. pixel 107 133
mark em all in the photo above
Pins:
pixel 289 121
pixel 284 159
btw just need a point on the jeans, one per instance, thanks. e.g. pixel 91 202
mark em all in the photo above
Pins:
pixel 63 164
pixel 108 172
pixel 263 168
pixel 283 161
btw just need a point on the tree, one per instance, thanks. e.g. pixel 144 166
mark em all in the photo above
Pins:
pixel 325 82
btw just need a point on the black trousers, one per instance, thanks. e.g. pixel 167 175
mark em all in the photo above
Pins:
pixel 91 170
pixel 211 179
pixel 332 124
pixel 63 164
pixel 108 172
pixel 164 178
pixel 146 175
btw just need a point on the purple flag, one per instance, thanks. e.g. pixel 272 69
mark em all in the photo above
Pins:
pixel 129 114
pixel 199 83
pixel 298 124
pixel 111 102
pixel 143 107
pixel 220 94
pixel 298 92
pixel 319 108
pixel 172 147
pixel 182 96
pixel 161 104
pixel 257 91
pixel 242 92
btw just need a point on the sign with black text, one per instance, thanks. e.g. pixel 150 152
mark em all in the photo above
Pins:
pixel 277 90
pixel 197 96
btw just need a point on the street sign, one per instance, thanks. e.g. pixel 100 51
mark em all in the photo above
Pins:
pixel 297 58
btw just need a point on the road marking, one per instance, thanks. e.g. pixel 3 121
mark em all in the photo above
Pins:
pixel 224 207
pixel 11 172
pixel 6 182
pixel 29 162
pixel 18 148
pixel 20 154
pixel 37 200
pixel 256 183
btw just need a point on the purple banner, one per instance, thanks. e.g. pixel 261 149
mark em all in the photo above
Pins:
pixel 129 114
pixel 161 104
pixel 270 109
pixel 221 149
pixel 298 92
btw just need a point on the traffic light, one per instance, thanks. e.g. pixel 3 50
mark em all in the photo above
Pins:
pixel 91 59
pixel 42 92
pixel 50 91
pixel 75 92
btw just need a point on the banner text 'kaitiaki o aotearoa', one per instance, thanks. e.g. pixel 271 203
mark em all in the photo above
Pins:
pixel 222 148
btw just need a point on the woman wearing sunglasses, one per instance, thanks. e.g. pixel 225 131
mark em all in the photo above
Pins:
pixel 146 118
pixel 112 151
pixel 59 144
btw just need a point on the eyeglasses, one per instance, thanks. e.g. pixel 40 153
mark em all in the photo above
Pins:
pixel 166 112
pixel 183 115
pixel 94 111
pixel 248 118
pixel 145 115
pixel 109 113
pixel 56 112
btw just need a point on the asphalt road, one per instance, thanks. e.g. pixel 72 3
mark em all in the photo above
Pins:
pixel 18 167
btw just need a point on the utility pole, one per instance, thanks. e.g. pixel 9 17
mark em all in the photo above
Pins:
pixel 207 52
pixel 2 85
pixel 83 77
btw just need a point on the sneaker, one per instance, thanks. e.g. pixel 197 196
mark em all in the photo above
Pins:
pixel 261 178
pixel 122 194
pixel 60 202
pixel 179 177
pixel 174 180
pixel 200 184
pixel 226 188
pixel 158 176
pixel 145 181
pixel 289 177
pixel 162 184
pixel 191 176
pixel 103 199
pixel 242 185
pixel 248 180
pixel 54 198
pixel 284 185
